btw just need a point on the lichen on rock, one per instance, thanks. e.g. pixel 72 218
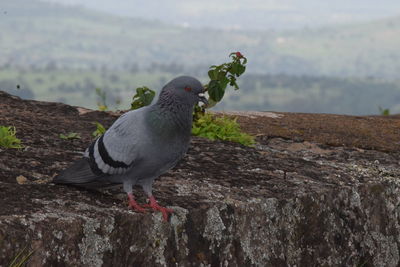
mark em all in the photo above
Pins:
pixel 321 197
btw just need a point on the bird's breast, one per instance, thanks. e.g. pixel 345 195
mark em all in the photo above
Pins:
pixel 168 154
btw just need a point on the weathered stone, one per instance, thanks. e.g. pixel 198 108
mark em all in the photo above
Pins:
pixel 290 201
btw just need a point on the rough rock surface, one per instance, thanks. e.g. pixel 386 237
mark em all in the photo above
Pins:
pixel 317 190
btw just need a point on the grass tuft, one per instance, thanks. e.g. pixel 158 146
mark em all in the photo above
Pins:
pixel 222 128
pixel 20 259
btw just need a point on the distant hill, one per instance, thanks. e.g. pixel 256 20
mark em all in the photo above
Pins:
pixel 39 34
pixel 367 49
pixel 249 14
pixel 257 92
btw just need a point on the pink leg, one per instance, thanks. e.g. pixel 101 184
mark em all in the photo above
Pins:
pixel 134 205
pixel 156 207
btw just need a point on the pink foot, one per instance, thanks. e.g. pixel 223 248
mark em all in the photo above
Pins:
pixel 156 207
pixel 134 205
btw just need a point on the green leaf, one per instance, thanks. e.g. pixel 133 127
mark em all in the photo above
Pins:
pixel 213 74
pixel 234 84
pixel 240 70
pixel 143 97
pixel 234 68
pixel 215 90
pixel 100 129
pixel 224 82
pixel 70 136
pixel 221 75
pixel 74 136
pixel 211 103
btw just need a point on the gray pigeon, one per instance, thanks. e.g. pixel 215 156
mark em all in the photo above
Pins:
pixel 141 145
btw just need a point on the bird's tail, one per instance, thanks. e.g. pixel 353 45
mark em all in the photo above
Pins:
pixel 78 173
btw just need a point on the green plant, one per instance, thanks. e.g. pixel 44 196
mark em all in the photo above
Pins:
pixel 384 111
pixel 8 138
pixel 100 129
pixel 102 99
pixel 220 76
pixel 70 136
pixel 224 128
pixel 20 259
pixel 143 97
pixel 224 74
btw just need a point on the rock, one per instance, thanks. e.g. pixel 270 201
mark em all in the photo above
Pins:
pixel 322 198
pixel 21 179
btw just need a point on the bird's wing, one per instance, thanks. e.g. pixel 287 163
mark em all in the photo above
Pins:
pixel 116 151
pixel 113 154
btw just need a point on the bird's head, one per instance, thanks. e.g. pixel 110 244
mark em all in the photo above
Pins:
pixel 187 89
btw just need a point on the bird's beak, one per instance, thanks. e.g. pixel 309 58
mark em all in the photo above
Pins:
pixel 203 99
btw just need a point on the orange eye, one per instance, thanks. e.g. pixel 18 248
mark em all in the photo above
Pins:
pixel 188 89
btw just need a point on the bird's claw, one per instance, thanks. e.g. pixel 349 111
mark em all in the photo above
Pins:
pixel 134 205
pixel 156 207
pixel 165 211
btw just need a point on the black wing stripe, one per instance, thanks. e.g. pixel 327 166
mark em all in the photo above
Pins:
pixel 106 157
pixel 92 161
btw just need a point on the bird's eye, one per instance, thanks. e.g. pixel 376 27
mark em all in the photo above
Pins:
pixel 188 89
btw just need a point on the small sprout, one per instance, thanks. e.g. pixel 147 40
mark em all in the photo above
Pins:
pixel 8 138
pixel 100 130
pixel 70 136
pixel 102 107
pixel 101 104
pixel 384 111
pixel 21 259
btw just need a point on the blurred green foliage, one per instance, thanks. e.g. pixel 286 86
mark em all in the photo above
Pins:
pixel 70 136
pixel 143 97
pixel 102 99
pixel 100 129
pixel 8 138
pixel 384 111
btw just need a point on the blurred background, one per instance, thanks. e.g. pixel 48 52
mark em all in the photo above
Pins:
pixel 338 56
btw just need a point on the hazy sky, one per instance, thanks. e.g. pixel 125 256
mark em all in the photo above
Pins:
pixel 249 14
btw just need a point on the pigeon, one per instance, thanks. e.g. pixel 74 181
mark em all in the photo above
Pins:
pixel 141 145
